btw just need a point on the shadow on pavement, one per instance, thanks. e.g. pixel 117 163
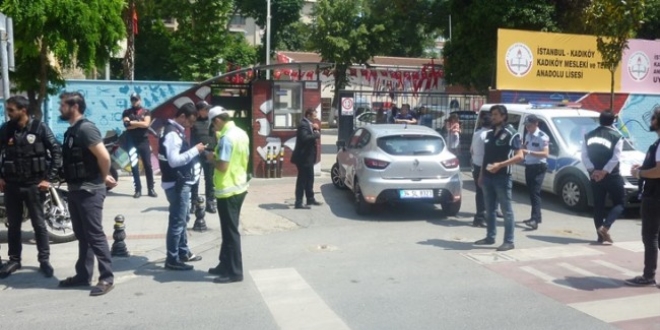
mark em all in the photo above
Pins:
pixel 156 209
pixel 160 274
pixel 275 206
pixel 29 277
pixel 558 239
pixel 591 283
pixel 120 264
pixel 455 245
pixel 118 194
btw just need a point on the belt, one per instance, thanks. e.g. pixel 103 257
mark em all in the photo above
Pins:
pixel 539 164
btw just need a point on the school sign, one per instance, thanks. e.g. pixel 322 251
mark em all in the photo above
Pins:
pixel 539 61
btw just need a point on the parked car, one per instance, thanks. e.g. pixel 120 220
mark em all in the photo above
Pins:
pixel 398 163
pixel 566 175
pixel 365 118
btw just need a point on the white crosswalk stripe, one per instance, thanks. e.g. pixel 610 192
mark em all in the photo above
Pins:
pixel 593 276
pixel 545 277
pixel 622 309
pixel 623 271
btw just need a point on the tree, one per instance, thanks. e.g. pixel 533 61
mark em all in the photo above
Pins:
pixel 342 35
pixel 295 37
pixel 76 33
pixel 470 55
pixel 283 13
pixel 614 22
pixel 651 27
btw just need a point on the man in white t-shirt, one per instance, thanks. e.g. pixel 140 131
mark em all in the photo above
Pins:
pixel 477 151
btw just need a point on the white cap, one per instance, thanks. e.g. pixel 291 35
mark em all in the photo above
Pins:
pixel 214 112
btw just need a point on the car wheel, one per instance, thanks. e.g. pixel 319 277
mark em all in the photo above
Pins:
pixel 573 193
pixel 361 206
pixel 451 209
pixel 336 178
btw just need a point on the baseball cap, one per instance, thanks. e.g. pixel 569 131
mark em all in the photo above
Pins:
pixel 135 96
pixel 201 105
pixel 531 119
pixel 214 112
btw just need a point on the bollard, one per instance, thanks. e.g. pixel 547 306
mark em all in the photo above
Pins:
pixel 119 245
pixel 200 212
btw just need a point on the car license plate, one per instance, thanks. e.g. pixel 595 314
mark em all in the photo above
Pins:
pixel 413 194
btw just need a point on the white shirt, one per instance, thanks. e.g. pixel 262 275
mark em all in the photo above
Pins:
pixel 478 146
pixel 175 159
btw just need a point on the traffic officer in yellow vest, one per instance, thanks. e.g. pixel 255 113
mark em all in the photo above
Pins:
pixel 230 182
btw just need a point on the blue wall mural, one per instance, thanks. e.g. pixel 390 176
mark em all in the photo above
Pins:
pixel 106 101
pixel 636 118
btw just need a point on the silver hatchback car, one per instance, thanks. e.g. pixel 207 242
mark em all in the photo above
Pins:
pixel 398 163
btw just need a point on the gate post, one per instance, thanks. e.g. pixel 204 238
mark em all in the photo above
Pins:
pixel 345 122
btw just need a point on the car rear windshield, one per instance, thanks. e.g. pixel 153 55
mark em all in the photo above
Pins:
pixel 408 145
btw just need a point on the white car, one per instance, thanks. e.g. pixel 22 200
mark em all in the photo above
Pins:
pixel 398 163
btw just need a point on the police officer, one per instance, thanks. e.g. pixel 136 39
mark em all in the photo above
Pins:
pixel 649 174
pixel 179 166
pixel 477 150
pixel 231 183
pixel 202 133
pixel 27 146
pixel 87 173
pixel 502 150
pixel 601 153
pixel 137 120
pixel 536 149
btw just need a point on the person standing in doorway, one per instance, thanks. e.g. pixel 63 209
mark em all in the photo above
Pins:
pixel 453 133
pixel 649 175
pixel 230 179
pixel 87 172
pixel 601 154
pixel 31 159
pixel 477 150
pixel 536 148
pixel 304 157
pixel 202 133
pixel 137 120
pixel 501 152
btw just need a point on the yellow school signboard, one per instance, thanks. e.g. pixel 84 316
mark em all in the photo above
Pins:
pixel 539 61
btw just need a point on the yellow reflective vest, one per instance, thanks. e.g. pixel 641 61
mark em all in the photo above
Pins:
pixel 234 181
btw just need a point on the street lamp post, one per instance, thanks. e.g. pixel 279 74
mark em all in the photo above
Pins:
pixel 268 38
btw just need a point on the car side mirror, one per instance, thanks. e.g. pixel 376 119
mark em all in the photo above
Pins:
pixel 341 145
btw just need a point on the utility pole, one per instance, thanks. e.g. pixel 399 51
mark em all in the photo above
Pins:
pixel 268 38
pixel 6 54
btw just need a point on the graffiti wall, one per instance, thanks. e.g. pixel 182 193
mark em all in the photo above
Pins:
pixel 634 109
pixel 107 99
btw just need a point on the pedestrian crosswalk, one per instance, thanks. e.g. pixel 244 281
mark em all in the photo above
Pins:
pixel 588 278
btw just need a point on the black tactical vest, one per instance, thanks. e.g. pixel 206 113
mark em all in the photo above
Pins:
pixel 201 133
pixel 168 173
pixel 25 156
pixel 601 143
pixel 650 187
pixel 498 148
pixel 80 164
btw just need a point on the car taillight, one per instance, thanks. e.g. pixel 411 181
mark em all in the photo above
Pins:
pixel 375 163
pixel 450 163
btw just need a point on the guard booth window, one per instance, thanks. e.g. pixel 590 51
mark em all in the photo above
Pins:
pixel 287 105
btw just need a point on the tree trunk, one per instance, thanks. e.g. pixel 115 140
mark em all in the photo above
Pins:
pixel 129 60
pixel 43 81
pixel 612 71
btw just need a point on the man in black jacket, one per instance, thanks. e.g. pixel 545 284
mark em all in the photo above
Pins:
pixel 202 132
pixel 304 157
pixel 137 120
pixel 27 145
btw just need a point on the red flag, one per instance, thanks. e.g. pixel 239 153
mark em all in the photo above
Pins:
pixel 135 20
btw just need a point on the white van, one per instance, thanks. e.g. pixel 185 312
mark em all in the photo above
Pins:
pixel 566 175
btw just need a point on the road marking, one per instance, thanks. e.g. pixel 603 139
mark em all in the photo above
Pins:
pixel 549 279
pixel 293 302
pixel 636 246
pixel 551 252
pixel 623 271
pixel 594 276
pixel 621 309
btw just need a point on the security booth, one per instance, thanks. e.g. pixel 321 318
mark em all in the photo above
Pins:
pixel 268 102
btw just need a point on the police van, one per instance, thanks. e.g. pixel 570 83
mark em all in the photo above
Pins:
pixel 566 176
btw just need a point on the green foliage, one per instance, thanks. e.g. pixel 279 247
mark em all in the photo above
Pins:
pixel 283 13
pixel 651 27
pixel 614 22
pixel 295 37
pixel 470 54
pixel 78 33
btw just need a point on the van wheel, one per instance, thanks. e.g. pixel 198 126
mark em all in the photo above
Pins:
pixel 573 194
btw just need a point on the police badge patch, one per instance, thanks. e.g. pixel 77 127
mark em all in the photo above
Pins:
pixel 31 138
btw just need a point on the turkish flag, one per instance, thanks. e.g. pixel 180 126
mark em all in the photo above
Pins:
pixel 134 20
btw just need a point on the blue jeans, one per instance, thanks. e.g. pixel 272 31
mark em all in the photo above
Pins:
pixel 497 190
pixel 177 237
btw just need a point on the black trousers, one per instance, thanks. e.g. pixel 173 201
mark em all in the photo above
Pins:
pixel 305 183
pixel 17 195
pixel 144 153
pixel 534 175
pixel 612 185
pixel 479 196
pixel 231 259
pixel 86 208
pixel 208 184
pixel 650 234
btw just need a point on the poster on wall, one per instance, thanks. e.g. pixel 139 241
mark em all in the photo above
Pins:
pixel 541 61
pixel 641 67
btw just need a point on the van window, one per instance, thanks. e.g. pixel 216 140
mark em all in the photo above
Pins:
pixel 514 120
pixel 553 147
pixel 573 129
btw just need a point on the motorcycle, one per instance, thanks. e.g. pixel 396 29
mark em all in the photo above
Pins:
pixel 56 214
pixel 111 143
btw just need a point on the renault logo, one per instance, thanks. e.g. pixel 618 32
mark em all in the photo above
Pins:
pixel 416 163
